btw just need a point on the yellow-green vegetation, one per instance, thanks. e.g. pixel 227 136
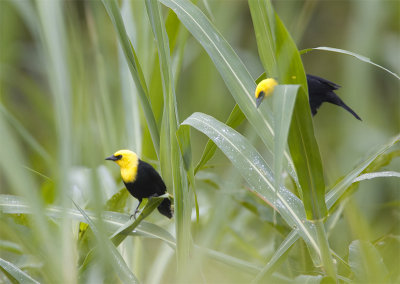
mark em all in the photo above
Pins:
pixel 267 194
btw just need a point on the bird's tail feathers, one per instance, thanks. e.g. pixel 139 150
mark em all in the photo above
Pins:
pixel 166 208
pixel 337 101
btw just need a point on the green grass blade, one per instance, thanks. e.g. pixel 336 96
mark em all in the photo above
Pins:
pixel 116 260
pixel 256 172
pixel 264 26
pixel 346 52
pixel 16 273
pixel 283 101
pixel 136 71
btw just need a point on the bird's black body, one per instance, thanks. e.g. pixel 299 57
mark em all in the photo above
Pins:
pixel 321 90
pixel 148 183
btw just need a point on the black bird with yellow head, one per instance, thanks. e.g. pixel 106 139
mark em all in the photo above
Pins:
pixel 320 90
pixel 141 180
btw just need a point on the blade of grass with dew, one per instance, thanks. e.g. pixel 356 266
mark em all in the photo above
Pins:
pixel 19 275
pixel 234 73
pixel 116 260
pixel 136 71
pixel 377 175
pixel 256 172
pixel 182 199
pixel 346 52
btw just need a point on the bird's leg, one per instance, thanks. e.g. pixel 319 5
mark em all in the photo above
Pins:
pixel 136 210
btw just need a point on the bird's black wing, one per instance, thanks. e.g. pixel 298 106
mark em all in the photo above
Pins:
pixel 321 90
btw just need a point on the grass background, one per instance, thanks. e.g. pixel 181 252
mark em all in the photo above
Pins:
pixel 67 101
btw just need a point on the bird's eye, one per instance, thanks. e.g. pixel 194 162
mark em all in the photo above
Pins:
pixel 119 157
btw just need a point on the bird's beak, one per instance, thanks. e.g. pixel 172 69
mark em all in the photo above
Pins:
pixel 259 99
pixel 112 158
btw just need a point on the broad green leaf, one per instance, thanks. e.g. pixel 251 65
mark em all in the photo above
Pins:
pixel 117 261
pixel 234 73
pixel 346 52
pixel 366 263
pixel 16 273
pixel 256 172
pixel 136 71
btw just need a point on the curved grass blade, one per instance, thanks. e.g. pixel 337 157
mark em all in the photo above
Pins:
pixel 376 175
pixel 13 270
pixel 136 71
pixel 256 172
pixel 346 52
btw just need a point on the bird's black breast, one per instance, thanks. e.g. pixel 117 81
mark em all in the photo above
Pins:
pixel 147 183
